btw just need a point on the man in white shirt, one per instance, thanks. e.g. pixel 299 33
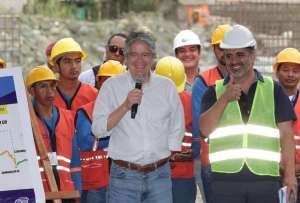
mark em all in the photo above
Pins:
pixel 114 51
pixel 139 148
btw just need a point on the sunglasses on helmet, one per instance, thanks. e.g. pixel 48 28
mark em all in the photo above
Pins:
pixel 114 49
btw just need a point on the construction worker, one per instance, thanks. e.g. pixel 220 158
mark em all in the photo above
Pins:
pixel 66 56
pixel 287 70
pixel 248 119
pixel 57 130
pixel 2 63
pixel 85 136
pixel 142 137
pixel 205 79
pixel 182 163
pixel 114 51
pixel 187 48
pixel 108 69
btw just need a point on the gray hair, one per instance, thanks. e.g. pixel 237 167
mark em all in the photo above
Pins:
pixel 140 36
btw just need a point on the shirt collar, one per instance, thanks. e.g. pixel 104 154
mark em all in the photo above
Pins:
pixel 132 81
pixel 258 76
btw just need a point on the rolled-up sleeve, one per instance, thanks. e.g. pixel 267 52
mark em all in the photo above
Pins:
pixel 177 125
pixel 102 110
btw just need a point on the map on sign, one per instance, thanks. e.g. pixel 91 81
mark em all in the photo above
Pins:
pixel 19 171
pixel 12 152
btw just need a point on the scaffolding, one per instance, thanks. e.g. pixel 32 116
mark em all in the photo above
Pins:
pixel 275 24
pixel 10 39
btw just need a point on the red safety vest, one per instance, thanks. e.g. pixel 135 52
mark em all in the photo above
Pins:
pixel 84 94
pixel 210 77
pixel 64 132
pixel 185 169
pixel 99 177
pixel 296 128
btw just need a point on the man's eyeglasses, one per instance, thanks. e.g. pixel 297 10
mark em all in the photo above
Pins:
pixel 114 49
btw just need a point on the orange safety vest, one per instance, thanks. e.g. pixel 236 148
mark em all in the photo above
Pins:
pixel 296 128
pixel 185 169
pixel 83 95
pixel 210 77
pixel 64 132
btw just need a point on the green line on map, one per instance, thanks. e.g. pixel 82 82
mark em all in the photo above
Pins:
pixel 19 162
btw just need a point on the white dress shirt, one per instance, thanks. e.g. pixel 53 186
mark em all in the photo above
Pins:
pixel 158 127
pixel 87 77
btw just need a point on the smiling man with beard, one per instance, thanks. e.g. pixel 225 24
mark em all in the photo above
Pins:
pixel 248 119
pixel 66 57
pixel 202 82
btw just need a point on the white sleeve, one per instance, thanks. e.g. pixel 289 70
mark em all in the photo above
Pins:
pixel 102 110
pixel 87 77
pixel 177 124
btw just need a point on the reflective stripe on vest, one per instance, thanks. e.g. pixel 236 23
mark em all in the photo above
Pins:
pixel 244 154
pixel 244 129
pixel 256 143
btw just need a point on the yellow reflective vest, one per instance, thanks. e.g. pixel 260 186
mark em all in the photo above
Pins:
pixel 256 143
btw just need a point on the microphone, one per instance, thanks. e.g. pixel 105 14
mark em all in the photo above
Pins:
pixel 138 85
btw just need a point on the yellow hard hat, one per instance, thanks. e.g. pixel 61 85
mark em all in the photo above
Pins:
pixel 3 62
pixel 111 68
pixel 65 45
pixel 287 55
pixel 172 68
pixel 39 73
pixel 218 34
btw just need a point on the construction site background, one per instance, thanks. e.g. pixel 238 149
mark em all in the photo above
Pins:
pixel 28 26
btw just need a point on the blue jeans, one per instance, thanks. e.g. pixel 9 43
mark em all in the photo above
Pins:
pixel 97 196
pixel 197 164
pixel 206 180
pixel 83 196
pixel 184 190
pixel 129 186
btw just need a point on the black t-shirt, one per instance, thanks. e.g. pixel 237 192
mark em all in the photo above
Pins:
pixel 283 112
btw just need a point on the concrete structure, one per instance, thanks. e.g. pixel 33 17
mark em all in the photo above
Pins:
pixel 12 6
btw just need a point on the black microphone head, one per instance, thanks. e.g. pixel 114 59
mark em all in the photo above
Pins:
pixel 139 81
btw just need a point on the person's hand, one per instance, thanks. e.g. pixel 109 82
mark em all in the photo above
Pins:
pixel 290 182
pixel 233 91
pixel 133 97
pixel 182 156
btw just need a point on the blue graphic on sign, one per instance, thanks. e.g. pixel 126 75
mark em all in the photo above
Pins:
pixel 17 196
pixel 7 91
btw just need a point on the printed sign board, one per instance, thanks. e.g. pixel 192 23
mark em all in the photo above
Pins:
pixel 20 180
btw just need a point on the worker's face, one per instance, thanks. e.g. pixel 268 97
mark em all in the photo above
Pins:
pixel 140 59
pixel 239 62
pixel 288 75
pixel 219 53
pixel 189 55
pixel 100 81
pixel 114 50
pixel 70 66
pixel 44 92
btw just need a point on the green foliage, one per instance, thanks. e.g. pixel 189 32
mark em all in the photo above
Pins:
pixel 52 8
pixel 142 5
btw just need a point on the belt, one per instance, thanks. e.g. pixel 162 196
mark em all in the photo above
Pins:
pixel 143 169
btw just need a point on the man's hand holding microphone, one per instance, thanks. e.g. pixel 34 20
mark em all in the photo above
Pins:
pixel 134 97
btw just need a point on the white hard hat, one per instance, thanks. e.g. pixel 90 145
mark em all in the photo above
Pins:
pixel 186 37
pixel 238 37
